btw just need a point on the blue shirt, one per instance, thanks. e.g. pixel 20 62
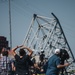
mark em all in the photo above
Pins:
pixel 52 65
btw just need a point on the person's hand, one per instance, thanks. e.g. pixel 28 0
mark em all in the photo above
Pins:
pixel 20 46
pixel 42 70
pixel 36 66
pixel 66 64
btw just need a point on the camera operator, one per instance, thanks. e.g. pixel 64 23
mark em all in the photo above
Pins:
pixel 42 56
pixel 53 65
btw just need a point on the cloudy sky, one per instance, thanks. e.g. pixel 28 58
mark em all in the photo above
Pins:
pixel 22 12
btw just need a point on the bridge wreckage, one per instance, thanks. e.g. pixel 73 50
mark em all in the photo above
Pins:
pixel 46 34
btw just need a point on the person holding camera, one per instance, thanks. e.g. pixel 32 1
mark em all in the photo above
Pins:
pixel 53 65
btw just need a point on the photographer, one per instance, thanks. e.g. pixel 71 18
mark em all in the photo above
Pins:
pixel 53 65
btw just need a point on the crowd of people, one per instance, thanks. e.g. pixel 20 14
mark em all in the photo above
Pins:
pixel 21 63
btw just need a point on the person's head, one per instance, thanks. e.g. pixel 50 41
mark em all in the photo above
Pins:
pixel 5 53
pixel 22 52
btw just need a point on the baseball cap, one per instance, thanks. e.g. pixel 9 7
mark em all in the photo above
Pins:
pixel 57 51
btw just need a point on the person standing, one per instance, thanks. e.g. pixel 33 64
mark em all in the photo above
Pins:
pixel 53 66
pixel 5 62
pixel 22 61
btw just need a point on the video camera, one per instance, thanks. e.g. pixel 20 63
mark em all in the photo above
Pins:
pixel 63 55
pixel 42 55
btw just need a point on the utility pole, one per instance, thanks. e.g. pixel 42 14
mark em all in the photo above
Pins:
pixel 10 24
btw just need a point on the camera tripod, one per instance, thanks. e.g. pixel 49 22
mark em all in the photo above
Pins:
pixel 63 72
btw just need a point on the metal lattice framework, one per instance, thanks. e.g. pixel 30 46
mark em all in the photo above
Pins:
pixel 47 34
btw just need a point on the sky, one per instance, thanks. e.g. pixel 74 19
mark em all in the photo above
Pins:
pixel 22 12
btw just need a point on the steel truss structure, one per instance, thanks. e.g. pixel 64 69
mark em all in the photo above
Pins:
pixel 47 34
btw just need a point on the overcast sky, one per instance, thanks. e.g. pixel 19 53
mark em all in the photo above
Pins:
pixel 22 12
